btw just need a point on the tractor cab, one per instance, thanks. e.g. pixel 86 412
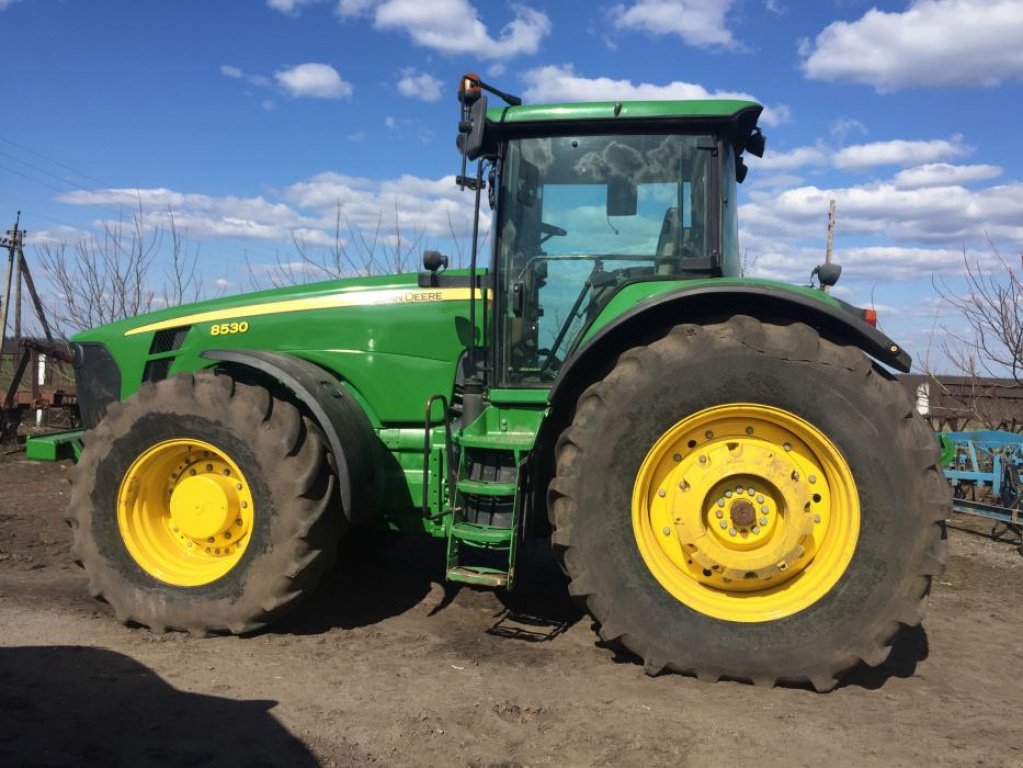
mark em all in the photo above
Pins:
pixel 591 197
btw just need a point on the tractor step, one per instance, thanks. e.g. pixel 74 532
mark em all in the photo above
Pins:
pixel 475 534
pixel 487 488
pixel 479 575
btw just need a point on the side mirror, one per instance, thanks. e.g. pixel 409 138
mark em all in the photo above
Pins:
pixel 756 143
pixel 622 197
pixel 827 274
pixel 434 260
pixel 477 126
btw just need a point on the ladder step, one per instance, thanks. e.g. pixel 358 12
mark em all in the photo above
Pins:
pixel 486 488
pixel 471 533
pixel 468 574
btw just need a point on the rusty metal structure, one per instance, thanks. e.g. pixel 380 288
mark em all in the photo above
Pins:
pixel 32 356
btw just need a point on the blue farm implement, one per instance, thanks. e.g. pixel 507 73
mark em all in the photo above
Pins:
pixel 984 470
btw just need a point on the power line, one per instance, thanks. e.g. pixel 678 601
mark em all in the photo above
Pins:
pixel 66 167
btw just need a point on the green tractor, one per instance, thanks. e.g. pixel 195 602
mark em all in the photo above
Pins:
pixel 732 482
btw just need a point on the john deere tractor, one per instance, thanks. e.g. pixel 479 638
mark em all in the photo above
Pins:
pixel 732 480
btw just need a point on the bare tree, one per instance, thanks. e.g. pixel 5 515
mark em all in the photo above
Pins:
pixel 110 276
pixel 386 247
pixel 990 340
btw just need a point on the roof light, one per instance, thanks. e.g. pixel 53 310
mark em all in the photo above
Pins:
pixel 870 317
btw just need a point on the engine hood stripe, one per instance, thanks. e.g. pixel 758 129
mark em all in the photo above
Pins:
pixel 363 298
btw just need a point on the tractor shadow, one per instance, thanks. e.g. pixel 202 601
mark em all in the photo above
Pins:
pixel 75 705
pixel 909 648
pixel 381 575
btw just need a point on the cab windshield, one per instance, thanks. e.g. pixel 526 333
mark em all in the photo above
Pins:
pixel 581 215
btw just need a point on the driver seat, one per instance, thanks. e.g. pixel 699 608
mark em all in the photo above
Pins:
pixel 667 255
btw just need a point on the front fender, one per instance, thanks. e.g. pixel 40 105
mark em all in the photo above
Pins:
pixel 347 429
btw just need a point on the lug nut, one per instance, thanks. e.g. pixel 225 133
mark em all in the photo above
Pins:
pixel 703 459
pixel 764 509
pixel 723 524
pixel 787 446
pixel 749 430
pixel 238 521
pixel 244 504
pixel 812 479
pixel 760 499
pixel 750 491
pixel 763 521
pixel 677 457
pixel 662 493
pixel 708 434
pixel 209 540
pixel 816 518
pixel 238 486
pixel 209 467
pixel 728 494
pixel 191 471
pixel 795 475
pixel 719 514
pixel 755 529
pixel 666 531
pixel 731 531
pixel 721 502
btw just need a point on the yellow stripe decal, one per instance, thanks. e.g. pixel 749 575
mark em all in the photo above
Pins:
pixel 355 298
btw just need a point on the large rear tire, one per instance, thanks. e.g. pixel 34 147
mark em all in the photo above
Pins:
pixel 204 504
pixel 749 501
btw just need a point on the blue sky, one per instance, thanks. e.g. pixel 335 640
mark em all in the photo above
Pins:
pixel 251 120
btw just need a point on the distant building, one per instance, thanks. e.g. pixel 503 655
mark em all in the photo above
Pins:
pixel 958 403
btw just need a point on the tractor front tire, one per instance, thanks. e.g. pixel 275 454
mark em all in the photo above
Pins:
pixel 749 501
pixel 204 504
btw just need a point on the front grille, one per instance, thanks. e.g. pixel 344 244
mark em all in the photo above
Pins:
pixel 98 379
pixel 168 340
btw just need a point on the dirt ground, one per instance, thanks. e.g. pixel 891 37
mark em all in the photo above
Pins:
pixel 387 667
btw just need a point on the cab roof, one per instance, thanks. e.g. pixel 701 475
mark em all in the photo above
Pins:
pixel 720 109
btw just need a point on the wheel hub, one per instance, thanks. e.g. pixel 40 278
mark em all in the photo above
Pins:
pixel 185 512
pixel 203 506
pixel 736 503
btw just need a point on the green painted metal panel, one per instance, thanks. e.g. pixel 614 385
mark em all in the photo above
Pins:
pixel 54 446
pixel 634 110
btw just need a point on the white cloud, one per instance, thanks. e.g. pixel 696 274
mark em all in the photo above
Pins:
pixel 844 126
pixel 900 152
pixel 305 209
pixel 314 80
pixel 419 85
pixel 794 158
pixel 454 26
pixel 561 83
pixel 698 22
pixel 289 7
pixel 931 43
pixel 944 175
pixel 227 70
pixel 859 263
pixel 927 215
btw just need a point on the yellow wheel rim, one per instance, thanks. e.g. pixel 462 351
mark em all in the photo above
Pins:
pixel 746 512
pixel 185 512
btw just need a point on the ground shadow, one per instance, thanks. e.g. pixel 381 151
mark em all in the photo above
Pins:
pixel 378 575
pixel 75 705
pixel 909 648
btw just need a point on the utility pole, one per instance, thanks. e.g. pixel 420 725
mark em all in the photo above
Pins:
pixel 831 238
pixel 13 244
